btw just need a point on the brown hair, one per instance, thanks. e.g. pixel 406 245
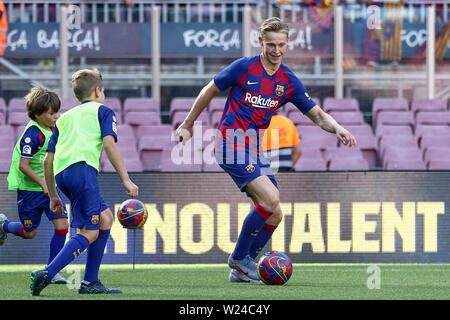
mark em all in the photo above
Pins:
pixel 273 25
pixel 85 81
pixel 40 100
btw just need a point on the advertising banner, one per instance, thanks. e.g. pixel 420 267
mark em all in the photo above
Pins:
pixel 329 217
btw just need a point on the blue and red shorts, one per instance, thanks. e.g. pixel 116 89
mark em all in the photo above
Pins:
pixel 31 205
pixel 79 183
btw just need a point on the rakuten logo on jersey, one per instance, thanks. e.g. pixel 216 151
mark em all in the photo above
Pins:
pixel 260 102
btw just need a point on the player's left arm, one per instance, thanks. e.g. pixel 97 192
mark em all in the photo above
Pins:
pixel 328 123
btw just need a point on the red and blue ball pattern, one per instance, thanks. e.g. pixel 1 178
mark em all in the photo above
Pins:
pixel 275 268
pixel 132 214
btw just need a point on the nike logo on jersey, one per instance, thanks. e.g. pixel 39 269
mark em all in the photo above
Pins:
pixel 250 83
pixel 260 102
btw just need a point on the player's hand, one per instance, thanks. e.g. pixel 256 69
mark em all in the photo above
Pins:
pixel 45 189
pixel 184 132
pixel 345 137
pixel 131 188
pixel 56 205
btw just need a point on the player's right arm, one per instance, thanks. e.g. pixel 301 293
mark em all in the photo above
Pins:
pixel 186 129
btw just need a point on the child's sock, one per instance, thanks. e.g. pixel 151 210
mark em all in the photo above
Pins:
pixel 57 243
pixel 251 227
pixel 95 255
pixel 73 248
pixel 15 228
pixel 261 240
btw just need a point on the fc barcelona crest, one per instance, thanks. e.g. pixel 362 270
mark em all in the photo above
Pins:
pixel 95 219
pixel 250 168
pixel 28 223
pixel 279 90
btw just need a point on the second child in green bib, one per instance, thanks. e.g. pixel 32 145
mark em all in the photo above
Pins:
pixel 72 161
pixel 26 174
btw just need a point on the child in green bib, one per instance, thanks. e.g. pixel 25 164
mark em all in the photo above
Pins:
pixel 26 175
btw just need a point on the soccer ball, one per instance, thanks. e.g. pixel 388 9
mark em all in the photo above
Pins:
pixel 132 214
pixel 274 268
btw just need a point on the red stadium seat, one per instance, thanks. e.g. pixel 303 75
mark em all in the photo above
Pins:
pixel 436 153
pixel 319 141
pixel 179 117
pixel 172 160
pixel 342 154
pixel 142 118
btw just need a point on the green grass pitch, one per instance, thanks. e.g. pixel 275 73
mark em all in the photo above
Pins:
pixel 210 282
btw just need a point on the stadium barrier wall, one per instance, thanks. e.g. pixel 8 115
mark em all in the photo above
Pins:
pixel 328 217
pixel 206 39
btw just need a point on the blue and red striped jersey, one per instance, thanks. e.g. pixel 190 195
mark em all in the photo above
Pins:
pixel 255 95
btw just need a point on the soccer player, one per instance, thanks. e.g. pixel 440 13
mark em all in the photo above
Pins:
pixel 259 86
pixel 72 160
pixel 26 175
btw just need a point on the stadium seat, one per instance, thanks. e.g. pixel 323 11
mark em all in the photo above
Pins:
pixel 348 117
pixel 395 118
pixel 396 142
pixel 68 103
pixel 3 109
pixel 142 118
pixel 114 104
pixel 215 119
pixel 418 105
pixel 140 104
pixel 209 161
pixel 403 154
pixel 217 104
pixel 361 129
pixel 5 164
pixel 179 117
pixel 436 153
pixel 430 130
pixel 344 104
pixel 299 119
pixel 387 104
pixel 433 118
pixel 369 148
pixel 161 130
pixel 319 141
pixel 181 104
pixel 310 164
pixel 332 154
pixel 132 165
pixel 416 164
pixel 306 131
pixel 18 130
pixel 443 164
pixel 434 141
pixel 17 118
pixel 2 119
pixel 169 164
pixel 388 130
pixel 8 137
pixel 151 149
pixel 17 104
pixel 341 164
